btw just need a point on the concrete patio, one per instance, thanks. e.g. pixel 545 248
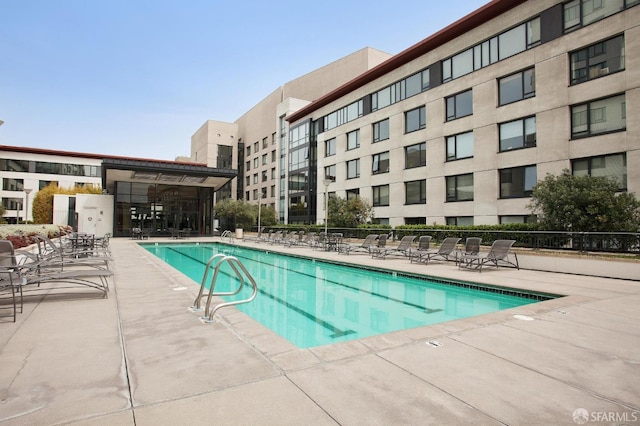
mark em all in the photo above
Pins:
pixel 141 357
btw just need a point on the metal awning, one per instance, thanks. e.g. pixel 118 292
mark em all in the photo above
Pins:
pixel 163 172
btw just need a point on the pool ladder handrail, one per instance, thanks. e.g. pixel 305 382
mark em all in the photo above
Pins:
pixel 242 274
pixel 227 234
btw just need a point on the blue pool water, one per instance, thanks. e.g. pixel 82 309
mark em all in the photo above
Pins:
pixel 313 303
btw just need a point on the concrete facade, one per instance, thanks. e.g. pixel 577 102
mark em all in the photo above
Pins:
pixel 551 105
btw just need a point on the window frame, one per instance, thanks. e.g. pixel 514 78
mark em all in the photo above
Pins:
pixel 379 129
pixel 454 139
pixel 421 119
pixel 454 102
pixel 353 140
pixel 422 183
pixel 380 162
pixel 355 161
pixel 524 135
pixel 524 192
pixel 588 119
pixel 524 92
pixel 378 198
pixel 456 197
pixel 422 154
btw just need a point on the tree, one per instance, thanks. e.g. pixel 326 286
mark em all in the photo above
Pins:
pixel 42 207
pixel 267 215
pixel 236 214
pixel 584 204
pixel 350 213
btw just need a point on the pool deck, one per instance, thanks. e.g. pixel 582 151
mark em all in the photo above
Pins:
pixel 141 357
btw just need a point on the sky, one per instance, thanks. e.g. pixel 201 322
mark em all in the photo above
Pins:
pixel 138 78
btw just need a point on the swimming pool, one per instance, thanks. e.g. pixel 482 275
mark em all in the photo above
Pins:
pixel 312 303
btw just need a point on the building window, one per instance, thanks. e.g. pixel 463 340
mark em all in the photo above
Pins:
pixel 578 13
pixel 9 184
pixel 613 166
pixel 330 147
pixel 264 159
pixel 353 193
pixel 273 190
pixel 353 169
pixel 330 172
pixel 273 156
pixel 381 131
pixel 504 220
pixel 265 142
pixel 518 86
pixel 509 43
pixel 460 187
pixel 44 183
pixel 381 195
pixel 264 175
pixel 415 220
pixel 400 90
pixel 518 134
pixel 255 194
pixel 343 115
pixel 597 60
pixel 256 147
pixel 600 116
pixel 459 105
pixel 380 163
pixel 248 166
pixel 256 163
pixel 353 140
pixel 415 155
pixel 298 158
pixel 416 119
pixel 248 150
pixel 517 182
pixel 460 146
pixel 273 173
pixel 247 194
pixel 415 192
pixel 248 180
pixel 255 178
pixel 459 220
pixel 14 165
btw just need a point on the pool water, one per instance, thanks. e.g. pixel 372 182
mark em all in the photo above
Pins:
pixel 313 303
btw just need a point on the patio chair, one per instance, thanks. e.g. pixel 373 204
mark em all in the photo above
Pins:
pixel 381 244
pixel 423 246
pixel 295 240
pixel 471 247
pixel 444 252
pixel 402 249
pixel 10 280
pixel 497 255
pixel 364 247
pixel 309 239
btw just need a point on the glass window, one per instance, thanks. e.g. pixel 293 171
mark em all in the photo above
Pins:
pixel 459 105
pixel 14 165
pixel 512 42
pixel 273 156
pixel 247 166
pixel 517 219
pixel 255 178
pixel 256 163
pixel 517 182
pixel 597 60
pixel 330 172
pixel 248 181
pixel 265 142
pixel 460 146
pixel 415 155
pixel 380 163
pixel 264 159
pixel 614 166
pixel 256 146
pixel 459 220
pixel 415 192
pixel 381 195
pixel 600 116
pixel 415 119
pixel 353 193
pixel 578 13
pixel 264 175
pixel 460 187
pixel 248 150
pixel 353 140
pixel 517 87
pixel 330 147
pixel 9 184
pixel 381 130
pixel 518 134
pixel 353 169
pixel 298 158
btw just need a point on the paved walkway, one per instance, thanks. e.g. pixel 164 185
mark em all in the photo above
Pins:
pixel 141 357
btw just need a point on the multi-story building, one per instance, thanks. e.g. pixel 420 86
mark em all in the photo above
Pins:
pixel 458 128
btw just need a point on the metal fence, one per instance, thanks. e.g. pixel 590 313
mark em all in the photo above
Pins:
pixel 609 242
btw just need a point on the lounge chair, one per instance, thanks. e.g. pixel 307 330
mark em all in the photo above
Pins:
pixel 381 244
pixel 423 247
pixel 402 249
pixel 471 248
pixel 497 255
pixel 295 239
pixel 365 247
pixel 310 239
pixel 444 252
pixel 10 280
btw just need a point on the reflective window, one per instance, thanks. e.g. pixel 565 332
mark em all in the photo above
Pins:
pixel 518 134
pixel 330 172
pixel 353 169
pixel 578 13
pixel 381 130
pixel 460 146
pixel 380 163
pixel 459 105
pixel 517 87
pixel 353 140
pixel 330 147
pixel 597 117
pixel 380 195
pixel 517 182
pixel 415 119
pixel 460 187
pixel 614 166
pixel 415 192
pixel 415 155
pixel 597 60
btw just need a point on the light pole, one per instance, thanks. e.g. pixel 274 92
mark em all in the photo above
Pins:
pixel 259 210
pixel 326 183
pixel 27 191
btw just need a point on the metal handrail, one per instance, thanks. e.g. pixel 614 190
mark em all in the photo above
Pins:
pixel 227 234
pixel 241 273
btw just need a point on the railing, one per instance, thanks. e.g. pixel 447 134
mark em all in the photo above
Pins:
pixel 607 242
pixel 242 275
pixel 228 235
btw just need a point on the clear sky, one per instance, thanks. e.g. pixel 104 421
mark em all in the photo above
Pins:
pixel 139 77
